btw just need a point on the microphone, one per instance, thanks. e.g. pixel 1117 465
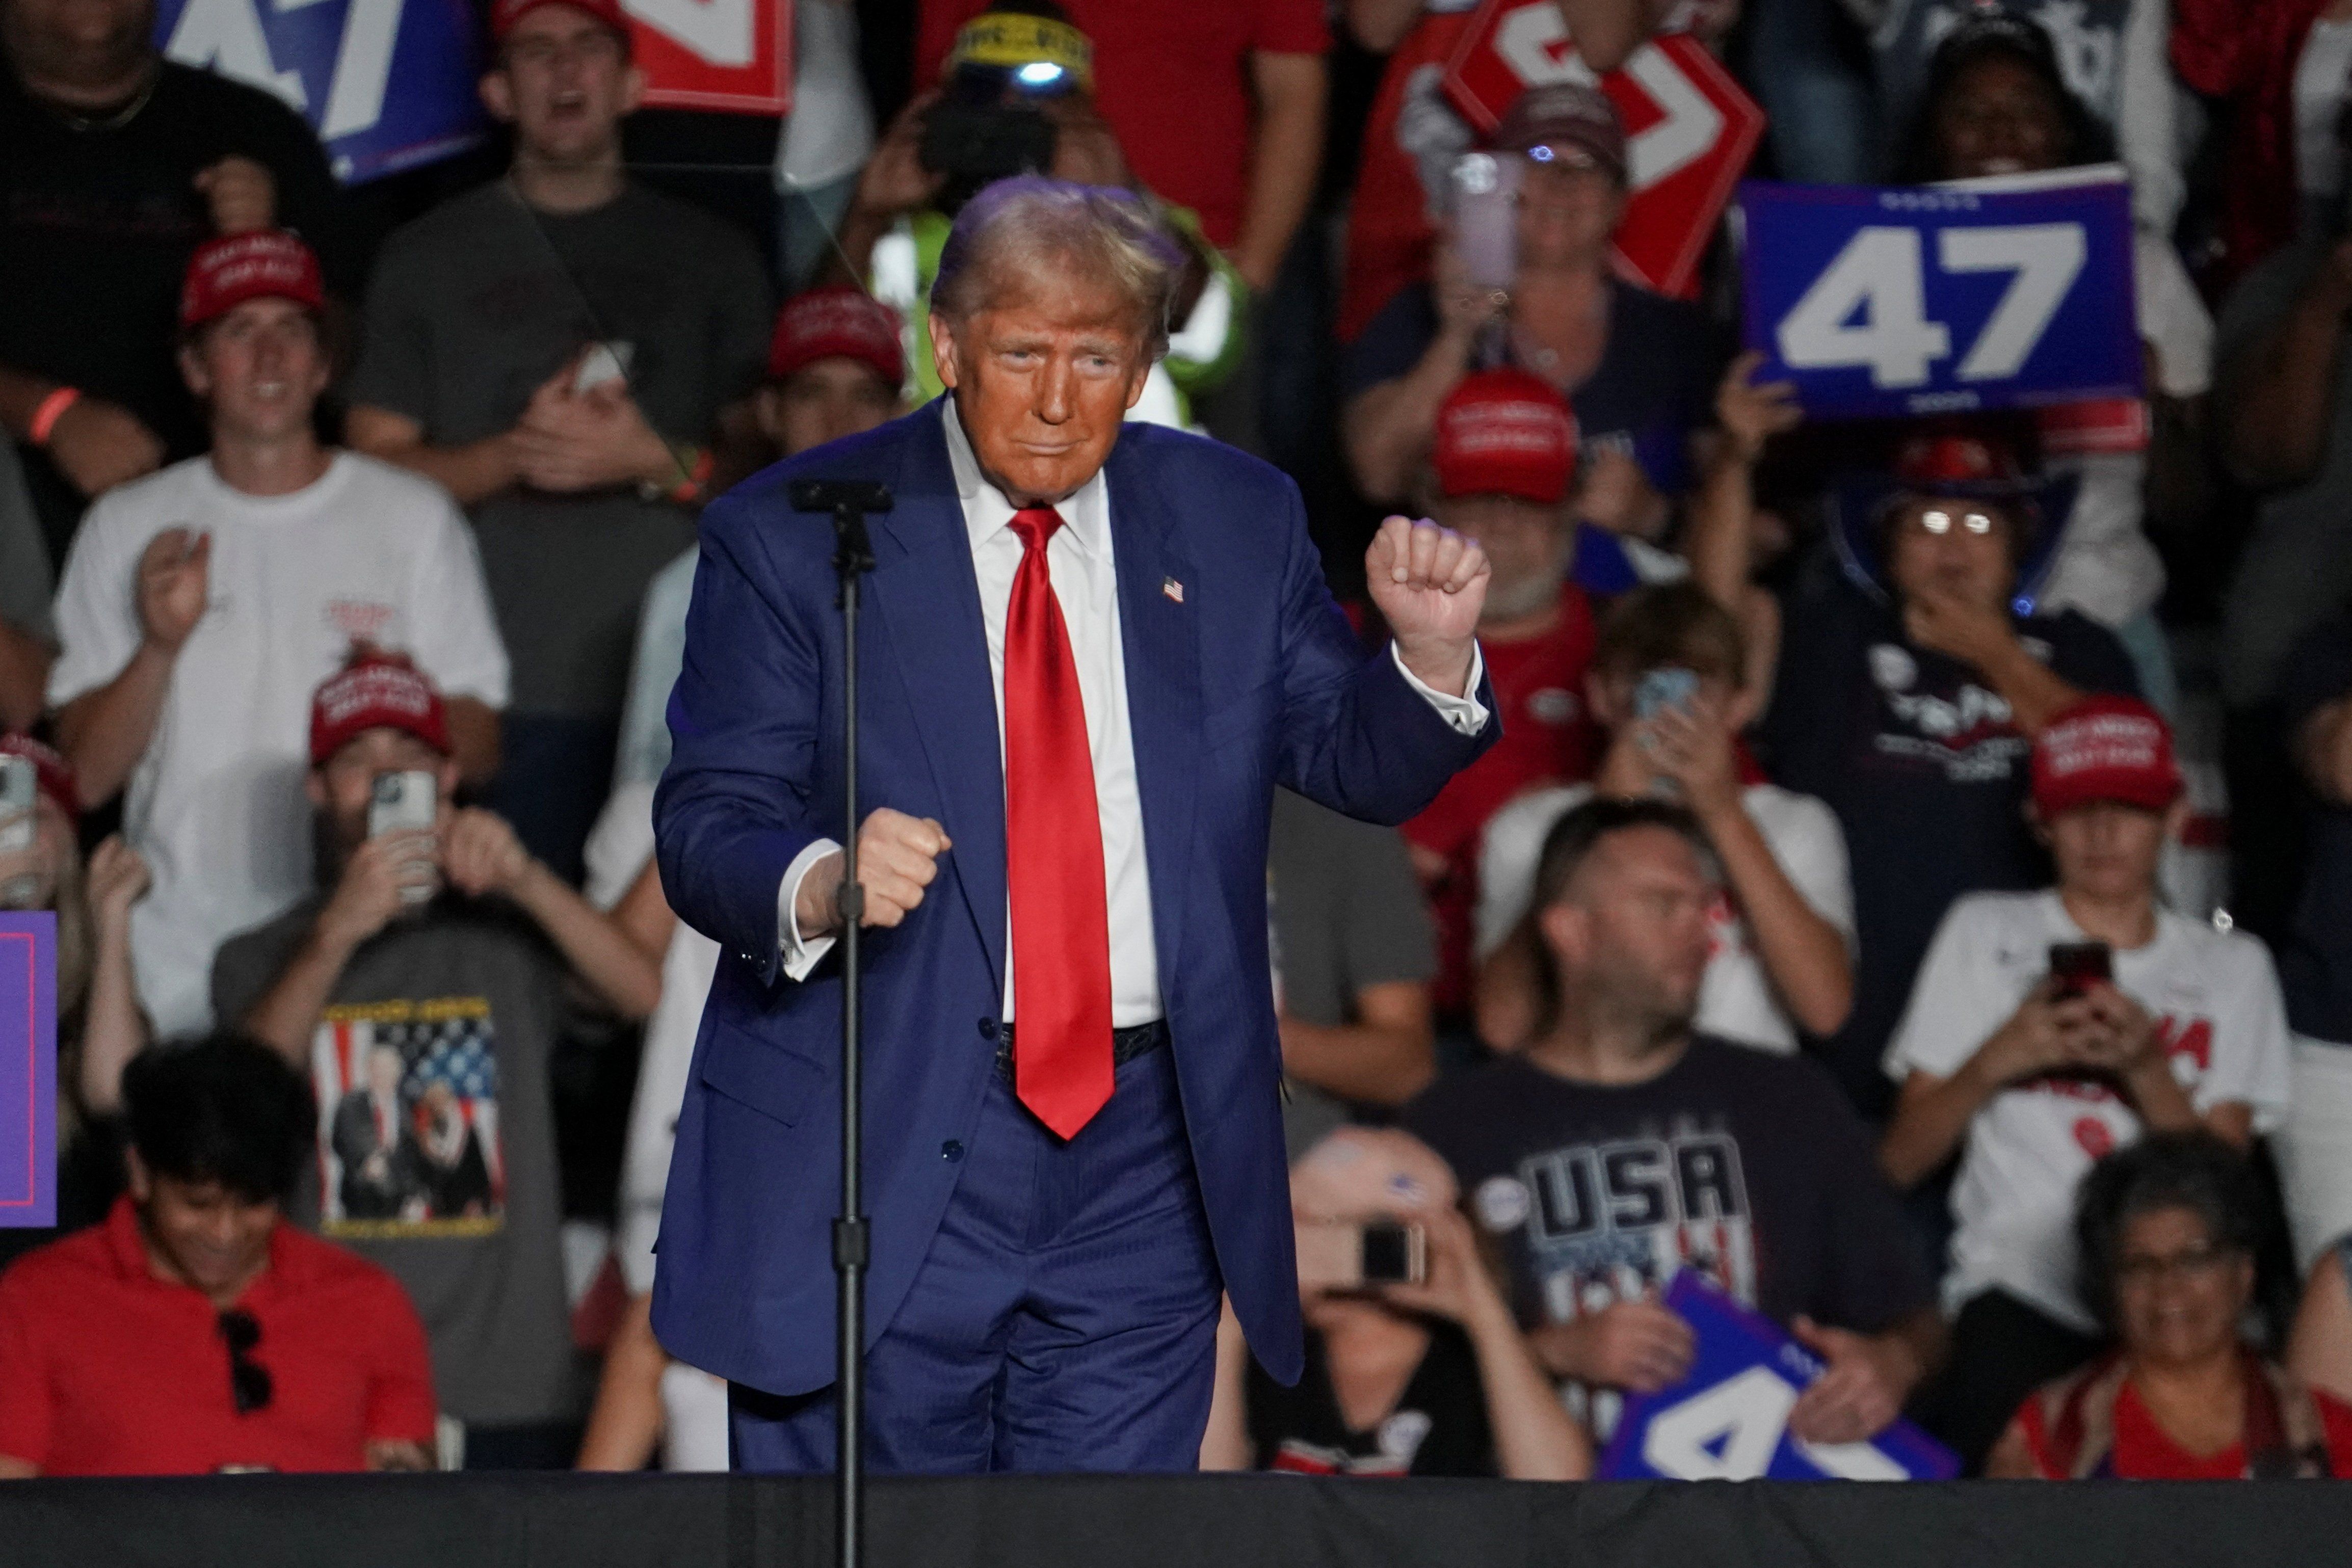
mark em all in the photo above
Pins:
pixel 849 500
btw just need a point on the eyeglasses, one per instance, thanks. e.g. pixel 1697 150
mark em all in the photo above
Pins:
pixel 248 1380
pixel 2144 1270
pixel 1937 521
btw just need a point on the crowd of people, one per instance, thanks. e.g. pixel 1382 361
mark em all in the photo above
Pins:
pixel 1842 918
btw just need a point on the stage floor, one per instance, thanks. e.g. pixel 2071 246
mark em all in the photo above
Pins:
pixel 1189 1521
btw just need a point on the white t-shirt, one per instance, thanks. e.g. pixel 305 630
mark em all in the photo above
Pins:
pixel 216 803
pixel 1736 1000
pixel 2215 998
pixel 2323 76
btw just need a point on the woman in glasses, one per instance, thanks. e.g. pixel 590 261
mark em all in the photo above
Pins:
pixel 2167 1231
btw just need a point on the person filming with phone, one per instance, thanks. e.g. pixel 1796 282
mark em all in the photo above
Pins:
pixel 422 988
pixel 1624 1145
pixel 1414 1364
pixel 2049 1028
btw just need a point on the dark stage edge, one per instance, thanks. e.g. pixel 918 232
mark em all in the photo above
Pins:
pixel 1186 1522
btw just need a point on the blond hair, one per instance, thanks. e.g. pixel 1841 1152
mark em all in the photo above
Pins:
pixel 1015 228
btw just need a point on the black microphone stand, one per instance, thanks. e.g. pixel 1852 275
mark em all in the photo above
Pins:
pixel 849 501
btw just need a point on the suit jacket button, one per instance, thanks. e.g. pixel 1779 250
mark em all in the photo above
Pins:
pixel 988 1029
pixel 951 1151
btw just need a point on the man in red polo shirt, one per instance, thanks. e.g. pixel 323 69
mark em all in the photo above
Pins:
pixel 196 1330
pixel 1505 453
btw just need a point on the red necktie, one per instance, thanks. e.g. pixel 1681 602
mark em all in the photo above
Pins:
pixel 1053 855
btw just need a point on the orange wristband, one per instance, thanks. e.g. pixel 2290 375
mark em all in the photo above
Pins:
pixel 51 410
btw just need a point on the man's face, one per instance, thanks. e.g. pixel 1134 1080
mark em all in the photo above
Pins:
pixel 259 369
pixel 1569 208
pixel 77 43
pixel 564 81
pixel 1952 546
pixel 385 1070
pixel 1043 375
pixel 1526 545
pixel 210 1237
pixel 824 401
pixel 2107 850
pixel 1630 932
pixel 1997 118
pixel 343 788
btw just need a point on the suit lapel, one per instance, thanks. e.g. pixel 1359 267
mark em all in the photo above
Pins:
pixel 1157 635
pixel 926 601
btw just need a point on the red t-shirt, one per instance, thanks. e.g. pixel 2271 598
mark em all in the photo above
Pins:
pixel 1548 738
pixel 107 1370
pixel 1389 228
pixel 1172 79
pixel 2144 1453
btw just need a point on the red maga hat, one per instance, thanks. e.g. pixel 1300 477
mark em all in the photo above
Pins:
pixel 376 690
pixel 505 14
pixel 1505 433
pixel 2105 748
pixel 261 264
pixel 840 322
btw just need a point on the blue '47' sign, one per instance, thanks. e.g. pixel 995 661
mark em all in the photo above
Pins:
pixel 1941 299
pixel 1728 1419
pixel 387 84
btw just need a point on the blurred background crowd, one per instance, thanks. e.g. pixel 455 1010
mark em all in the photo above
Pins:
pixel 1913 891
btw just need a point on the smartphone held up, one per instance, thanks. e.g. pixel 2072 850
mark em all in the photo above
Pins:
pixel 407 803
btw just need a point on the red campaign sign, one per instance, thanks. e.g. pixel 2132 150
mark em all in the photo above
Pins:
pixel 731 54
pixel 1688 127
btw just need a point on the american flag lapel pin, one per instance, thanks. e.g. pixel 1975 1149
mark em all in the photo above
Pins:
pixel 1172 589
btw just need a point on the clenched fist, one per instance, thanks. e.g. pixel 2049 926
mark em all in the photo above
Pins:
pixel 897 856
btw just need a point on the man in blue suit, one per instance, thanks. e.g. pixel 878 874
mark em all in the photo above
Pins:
pixel 1090 653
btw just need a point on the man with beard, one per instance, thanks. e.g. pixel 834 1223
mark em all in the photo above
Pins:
pixel 1622 1145
pixel 449 944
pixel 114 164
pixel 1500 469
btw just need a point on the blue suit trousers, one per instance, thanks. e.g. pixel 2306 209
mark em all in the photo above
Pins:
pixel 1064 1318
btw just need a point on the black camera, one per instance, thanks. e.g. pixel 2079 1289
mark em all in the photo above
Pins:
pixel 975 143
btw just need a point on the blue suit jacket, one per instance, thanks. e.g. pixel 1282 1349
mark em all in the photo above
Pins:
pixel 1252 679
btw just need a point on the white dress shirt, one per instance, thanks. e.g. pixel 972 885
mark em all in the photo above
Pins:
pixel 1078 558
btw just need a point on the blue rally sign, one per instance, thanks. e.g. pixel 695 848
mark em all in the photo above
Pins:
pixel 29 1069
pixel 1942 298
pixel 1728 1419
pixel 387 84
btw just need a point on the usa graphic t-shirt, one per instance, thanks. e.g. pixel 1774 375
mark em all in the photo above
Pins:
pixel 1927 769
pixel 436 1151
pixel 1749 1168
pixel 2217 1010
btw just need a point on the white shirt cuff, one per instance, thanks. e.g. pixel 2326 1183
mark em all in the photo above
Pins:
pixel 800 956
pixel 1467 715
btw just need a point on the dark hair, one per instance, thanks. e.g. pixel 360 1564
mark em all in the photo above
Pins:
pixel 2004 35
pixel 1566 849
pixel 2194 1170
pixel 1671 623
pixel 223 1108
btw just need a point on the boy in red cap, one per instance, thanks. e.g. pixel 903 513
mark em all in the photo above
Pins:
pixel 570 355
pixel 835 365
pixel 1504 454
pixel 202 604
pixel 422 986
pixel 2050 1027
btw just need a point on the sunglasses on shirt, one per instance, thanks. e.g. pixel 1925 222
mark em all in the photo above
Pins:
pixel 248 1380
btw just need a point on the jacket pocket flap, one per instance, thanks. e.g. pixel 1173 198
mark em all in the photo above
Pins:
pixel 770 1079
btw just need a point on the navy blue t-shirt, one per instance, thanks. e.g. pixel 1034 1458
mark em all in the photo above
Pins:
pixel 1653 387
pixel 1918 756
pixel 2316 966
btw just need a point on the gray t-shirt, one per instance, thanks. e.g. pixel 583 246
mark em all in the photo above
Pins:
pixel 476 304
pixel 1347 915
pixel 436 1137
pixel 2298 565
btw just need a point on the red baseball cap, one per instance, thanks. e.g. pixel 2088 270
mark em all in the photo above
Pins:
pixel 1505 433
pixel 51 772
pixel 1963 464
pixel 840 322
pixel 2105 748
pixel 376 690
pixel 263 263
pixel 506 13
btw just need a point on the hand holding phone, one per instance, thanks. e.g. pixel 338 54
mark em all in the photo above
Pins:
pixel 2078 965
pixel 1351 1257
pixel 408 804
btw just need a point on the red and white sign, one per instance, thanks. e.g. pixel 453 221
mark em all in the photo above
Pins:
pixel 731 54
pixel 1689 130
